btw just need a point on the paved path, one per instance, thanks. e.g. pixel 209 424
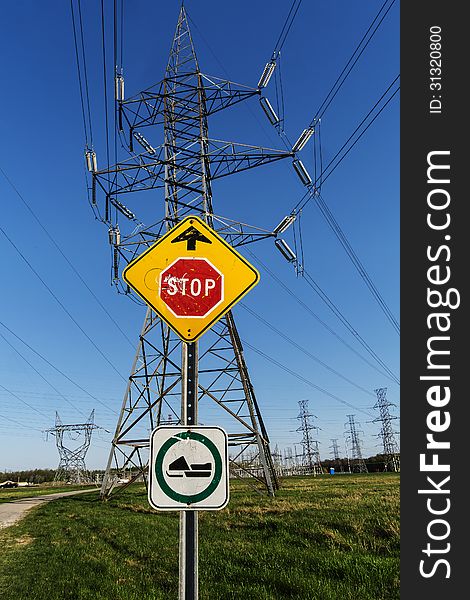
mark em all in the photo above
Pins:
pixel 11 512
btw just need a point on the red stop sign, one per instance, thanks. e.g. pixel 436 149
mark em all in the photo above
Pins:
pixel 191 287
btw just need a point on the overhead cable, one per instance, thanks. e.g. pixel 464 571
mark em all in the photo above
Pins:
pixel 20 424
pixel 304 176
pixel 286 28
pixel 313 193
pixel 24 401
pixel 316 317
pixel 301 377
pixel 357 263
pixel 354 57
pixel 64 308
pixel 303 350
pixel 40 374
pixel 324 174
pixel 64 256
pixel 337 312
pixel 80 84
pixel 42 357
pixel 105 84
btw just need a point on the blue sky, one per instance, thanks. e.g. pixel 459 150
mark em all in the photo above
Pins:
pixel 42 157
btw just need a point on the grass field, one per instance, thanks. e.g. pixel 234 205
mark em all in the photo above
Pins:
pixel 323 538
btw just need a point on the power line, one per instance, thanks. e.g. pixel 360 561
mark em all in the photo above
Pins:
pixel 83 82
pixel 339 233
pixel 121 25
pixel 365 276
pixel 337 312
pixel 64 256
pixel 115 70
pixel 319 113
pixel 80 85
pixel 301 377
pixel 315 316
pixel 87 93
pixel 304 350
pixel 324 173
pixel 23 401
pixel 54 367
pixel 286 28
pixel 20 424
pixel 313 193
pixel 40 374
pixel 105 85
pixel 67 312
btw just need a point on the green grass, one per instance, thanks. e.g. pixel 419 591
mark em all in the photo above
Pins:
pixel 323 538
pixel 11 494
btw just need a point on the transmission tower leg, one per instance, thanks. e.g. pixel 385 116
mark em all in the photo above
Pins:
pixel 109 479
pixel 262 440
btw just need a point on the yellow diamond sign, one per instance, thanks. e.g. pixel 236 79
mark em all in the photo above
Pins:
pixel 191 277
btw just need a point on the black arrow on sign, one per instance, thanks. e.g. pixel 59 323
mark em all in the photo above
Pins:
pixel 191 236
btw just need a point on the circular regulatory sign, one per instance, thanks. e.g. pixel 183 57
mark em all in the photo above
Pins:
pixel 188 467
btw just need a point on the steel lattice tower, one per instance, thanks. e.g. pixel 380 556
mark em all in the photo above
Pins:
pixel 357 461
pixel 177 109
pixel 390 446
pixel 311 452
pixel 335 451
pixel 72 468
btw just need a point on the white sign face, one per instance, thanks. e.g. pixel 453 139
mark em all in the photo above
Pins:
pixel 188 468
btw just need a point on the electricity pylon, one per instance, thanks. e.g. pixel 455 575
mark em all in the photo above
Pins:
pixel 311 452
pixel 390 446
pixel 335 451
pixel 184 167
pixel 72 468
pixel 357 462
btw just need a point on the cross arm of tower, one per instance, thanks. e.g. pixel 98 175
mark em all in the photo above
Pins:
pixel 222 93
pixel 140 172
pixel 147 171
pixel 231 157
pixel 74 427
pixel 234 232
pixel 147 107
pixel 238 234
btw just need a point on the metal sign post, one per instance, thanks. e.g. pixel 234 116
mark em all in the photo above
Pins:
pixel 190 277
pixel 188 544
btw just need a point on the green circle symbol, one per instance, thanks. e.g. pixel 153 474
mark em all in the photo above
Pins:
pixel 186 498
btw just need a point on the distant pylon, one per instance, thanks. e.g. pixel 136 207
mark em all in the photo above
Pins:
pixel 72 468
pixel 335 453
pixel 289 460
pixel 277 460
pixel 357 462
pixel 311 454
pixel 183 168
pixel 390 447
